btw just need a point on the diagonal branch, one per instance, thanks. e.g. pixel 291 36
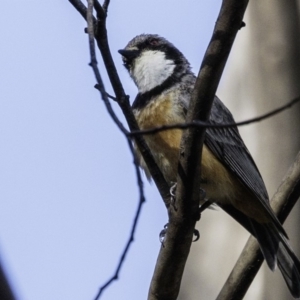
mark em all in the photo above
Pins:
pixel 123 101
pixel 80 7
pixel 105 5
pixel 122 98
pixel 115 276
pixel 251 258
pixel 101 13
pixel 172 257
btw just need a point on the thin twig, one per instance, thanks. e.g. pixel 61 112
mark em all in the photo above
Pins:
pixel 101 88
pixel 123 101
pixel 94 64
pixel 101 14
pixel 80 7
pixel 199 124
pixel 133 229
pixel 110 96
pixel 105 5
pixel 110 109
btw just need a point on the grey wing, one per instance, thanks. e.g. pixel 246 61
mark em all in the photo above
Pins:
pixel 228 146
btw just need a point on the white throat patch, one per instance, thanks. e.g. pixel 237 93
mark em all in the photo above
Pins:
pixel 151 69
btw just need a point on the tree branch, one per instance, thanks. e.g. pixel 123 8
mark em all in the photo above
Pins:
pixel 105 5
pixel 121 98
pixel 123 101
pixel 172 257
pixel 101 13
pixel 132 232
pixel 80 7
pixel 104 95
pixel 251 258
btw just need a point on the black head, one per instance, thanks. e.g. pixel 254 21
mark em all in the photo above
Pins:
pixel 149 42
pixel 151 60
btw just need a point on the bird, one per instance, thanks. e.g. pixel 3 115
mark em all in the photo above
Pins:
pixel 229 175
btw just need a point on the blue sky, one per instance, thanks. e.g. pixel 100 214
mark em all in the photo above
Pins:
pixel 68 186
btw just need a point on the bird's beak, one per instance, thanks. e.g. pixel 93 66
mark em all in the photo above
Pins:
pixel 129 54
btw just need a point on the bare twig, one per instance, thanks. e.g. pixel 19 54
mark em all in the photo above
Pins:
pixel 105 5
pixel 251 258
pixel 134 225
pixel 109 96
pixel 80 7
pixel 94 64
pixel 199 124
pixel 101 14
pixel 104 95
pixel 111 111
pixel 123 101
pixel 172 257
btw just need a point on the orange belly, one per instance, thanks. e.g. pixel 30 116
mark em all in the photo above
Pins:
pixel 165 145
pixel 220 184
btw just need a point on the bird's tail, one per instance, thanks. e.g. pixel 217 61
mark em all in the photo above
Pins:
pixel 274 246
pixel 277 251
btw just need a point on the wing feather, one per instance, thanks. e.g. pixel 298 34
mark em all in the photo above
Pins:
pixel 228 146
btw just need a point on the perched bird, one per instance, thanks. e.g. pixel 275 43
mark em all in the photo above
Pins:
pixel 230 177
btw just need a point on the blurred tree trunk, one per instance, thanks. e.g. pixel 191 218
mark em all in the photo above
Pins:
pixel 262 73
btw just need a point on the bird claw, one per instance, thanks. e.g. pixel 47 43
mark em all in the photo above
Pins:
pixel 197 235
pixel 173 189
pixel 173 194
pixel 163 233
pixel 206 203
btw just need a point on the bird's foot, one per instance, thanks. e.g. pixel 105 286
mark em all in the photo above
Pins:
pixel 173 194
pixel 163 233
pixel 197 235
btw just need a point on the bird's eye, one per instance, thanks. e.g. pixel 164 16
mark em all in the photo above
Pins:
pixel 154 42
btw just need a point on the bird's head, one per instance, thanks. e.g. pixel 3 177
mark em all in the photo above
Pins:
pixel 151 60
